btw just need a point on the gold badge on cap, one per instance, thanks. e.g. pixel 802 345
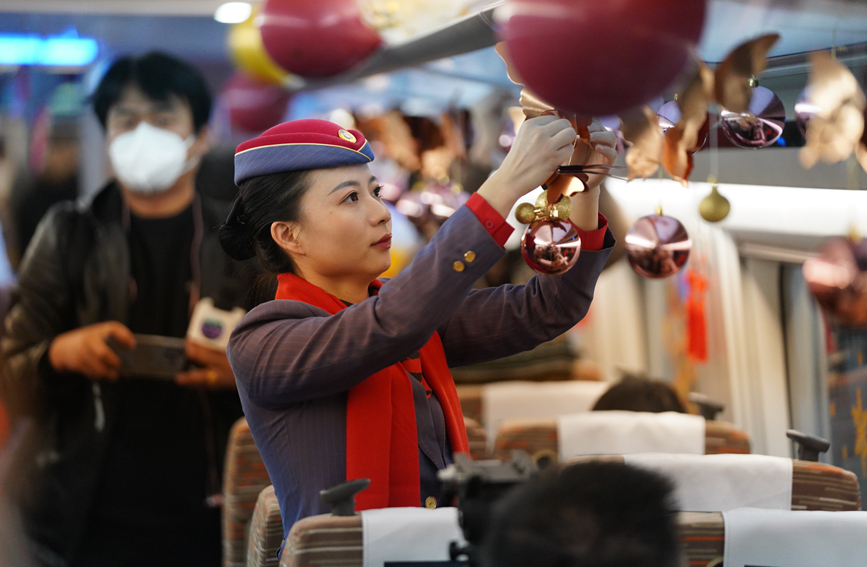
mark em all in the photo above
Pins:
pixel 346 136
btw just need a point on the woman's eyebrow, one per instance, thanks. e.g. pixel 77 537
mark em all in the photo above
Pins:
pixel 345 184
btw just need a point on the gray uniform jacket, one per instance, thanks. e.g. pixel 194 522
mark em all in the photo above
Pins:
pixel 294 362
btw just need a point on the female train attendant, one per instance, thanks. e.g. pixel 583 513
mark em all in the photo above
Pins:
pixel 345 376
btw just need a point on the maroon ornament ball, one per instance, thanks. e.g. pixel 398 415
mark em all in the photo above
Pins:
pixel 551 246
pixel 253 106
pixel 595 57
pixel 761 126
pixel 657 246
pixel 316 39
pixel 837 278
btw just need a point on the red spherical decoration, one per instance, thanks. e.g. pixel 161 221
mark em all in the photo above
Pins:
pixel 837 278
pixel 252 106
pixel 595 57
pixel 657 246
pixel 316 39
pixel 551 246
pixel 761 127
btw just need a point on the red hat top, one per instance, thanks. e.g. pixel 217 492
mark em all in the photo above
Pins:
pixel 299 145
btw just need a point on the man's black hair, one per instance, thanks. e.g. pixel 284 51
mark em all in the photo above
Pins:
pixel 159 76
pixel 595 514
pixel 635 393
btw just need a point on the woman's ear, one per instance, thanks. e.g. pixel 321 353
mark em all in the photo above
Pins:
pixel 285 234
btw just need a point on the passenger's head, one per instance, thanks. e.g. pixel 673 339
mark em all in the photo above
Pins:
pixel 155 87
pixel 633 393
pixel 308 203
pixel 154 109
pixel 596 514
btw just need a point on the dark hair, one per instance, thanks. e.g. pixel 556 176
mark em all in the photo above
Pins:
pixel 595 514
pixel 158 75
pixel 262 201
pixel 640 394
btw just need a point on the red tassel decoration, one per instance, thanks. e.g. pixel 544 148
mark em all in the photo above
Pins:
pixel 696 323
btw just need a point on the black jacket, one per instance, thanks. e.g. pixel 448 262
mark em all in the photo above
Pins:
pixel 76 273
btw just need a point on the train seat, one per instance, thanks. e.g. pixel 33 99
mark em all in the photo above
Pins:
pixel 372 538
pixel 748 536
pixel 490 404
pixel 266 531
pixel 244 478
pixel 477 437
pixel 718 483
pixel 540 437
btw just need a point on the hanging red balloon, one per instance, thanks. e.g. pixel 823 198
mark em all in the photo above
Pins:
pixel 600 58
pixel 252 106
pixel 316 39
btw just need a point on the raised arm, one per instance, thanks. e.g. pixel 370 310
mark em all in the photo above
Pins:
pixel 496 322
pixel 285 352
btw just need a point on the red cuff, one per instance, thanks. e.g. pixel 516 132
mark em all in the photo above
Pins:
pixel 594 239
pixel 494 222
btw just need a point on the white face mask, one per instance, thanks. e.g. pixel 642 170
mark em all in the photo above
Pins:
pixel 150 159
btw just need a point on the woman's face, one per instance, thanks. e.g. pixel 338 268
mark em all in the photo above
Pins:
pixel 345 228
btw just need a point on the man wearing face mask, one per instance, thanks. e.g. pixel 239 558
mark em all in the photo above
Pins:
pixel 126 469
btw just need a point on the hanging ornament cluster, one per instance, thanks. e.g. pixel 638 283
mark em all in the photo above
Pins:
pixel 600 58
pixel 686 128
pixel 658 246
pixel 837 278
pixel 551 243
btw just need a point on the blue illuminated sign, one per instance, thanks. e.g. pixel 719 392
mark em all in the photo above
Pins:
pixel 55 51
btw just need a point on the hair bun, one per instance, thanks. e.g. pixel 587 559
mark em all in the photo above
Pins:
pixel 234 236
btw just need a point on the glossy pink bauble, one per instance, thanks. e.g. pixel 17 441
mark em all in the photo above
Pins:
pixel 657 246
pixel 837 278
pixel 253 106
pixel 316 39
pixel 761 126
pixel 551 246
pixel 595 57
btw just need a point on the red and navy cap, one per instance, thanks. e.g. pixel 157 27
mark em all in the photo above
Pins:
pixel 298 145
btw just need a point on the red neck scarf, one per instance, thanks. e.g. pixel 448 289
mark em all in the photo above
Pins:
pixel 381 434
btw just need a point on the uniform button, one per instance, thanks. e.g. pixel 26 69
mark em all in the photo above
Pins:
pixel 458 266
pixel 470 256
pixel 489 224
pixel 430 502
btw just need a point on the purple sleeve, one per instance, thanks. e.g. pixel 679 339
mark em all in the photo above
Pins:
pixel 496 322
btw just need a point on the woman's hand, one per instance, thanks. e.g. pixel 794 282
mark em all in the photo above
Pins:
pixel 604 150
pixel 585 205
pixel 542 144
